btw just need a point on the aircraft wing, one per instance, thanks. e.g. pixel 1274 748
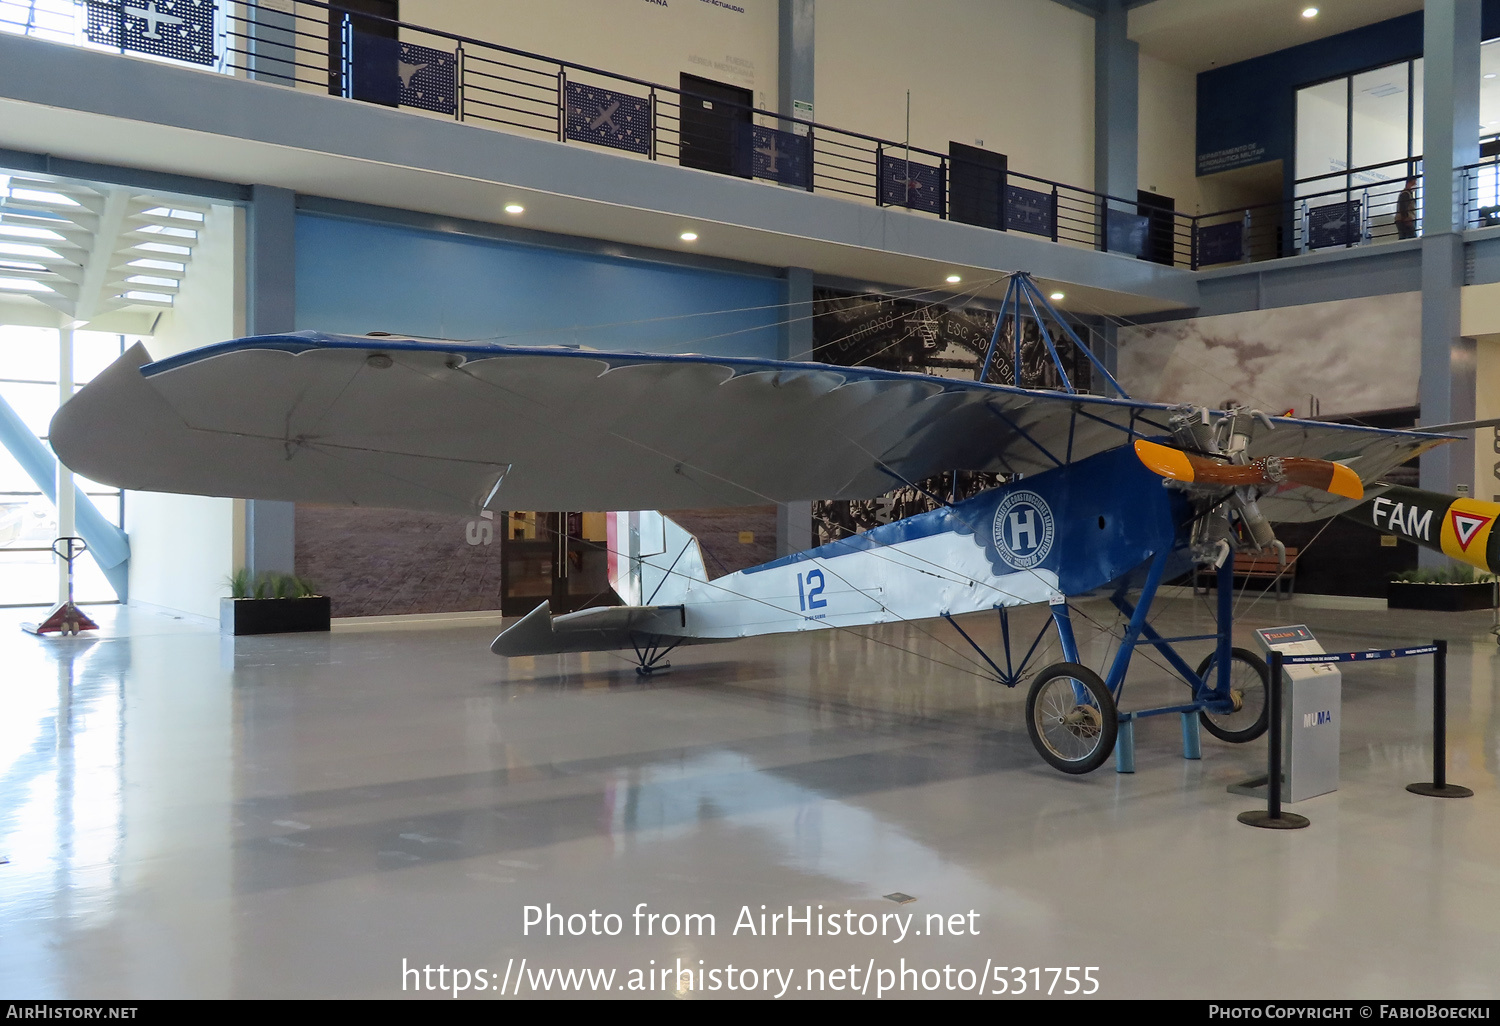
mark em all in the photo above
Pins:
pixel 452 427
pixel 1370 453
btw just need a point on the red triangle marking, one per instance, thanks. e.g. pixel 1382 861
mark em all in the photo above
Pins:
pixel 1466 526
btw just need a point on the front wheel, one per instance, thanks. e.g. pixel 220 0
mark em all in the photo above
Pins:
pixel 1249 681
pixel 1071 718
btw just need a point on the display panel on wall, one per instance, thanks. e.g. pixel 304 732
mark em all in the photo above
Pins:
pixel 926 337
pixel 1352 360
pixel 1337 358
pixel 392 562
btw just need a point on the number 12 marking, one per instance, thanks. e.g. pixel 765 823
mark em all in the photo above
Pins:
pixel 808 595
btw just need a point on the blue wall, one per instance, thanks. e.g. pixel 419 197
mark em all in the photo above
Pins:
pixel 1247 112
pixel 355 276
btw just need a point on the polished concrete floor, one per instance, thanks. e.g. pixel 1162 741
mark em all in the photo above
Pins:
pixel 185 815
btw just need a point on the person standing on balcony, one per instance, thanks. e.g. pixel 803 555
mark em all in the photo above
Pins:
pixel 1406 210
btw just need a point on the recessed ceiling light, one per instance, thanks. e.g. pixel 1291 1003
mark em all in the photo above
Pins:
pixel 1058 295
pixel 1309 12
pixel 514 208
pixel 953 279
pixel 1490 75
pixel 689 236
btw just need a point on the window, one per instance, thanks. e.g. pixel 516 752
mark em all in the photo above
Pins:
pixel 29 365
pixel 1358 139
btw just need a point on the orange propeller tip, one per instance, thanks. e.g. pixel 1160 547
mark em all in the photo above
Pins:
pixel 1346 483
pixel 1164 460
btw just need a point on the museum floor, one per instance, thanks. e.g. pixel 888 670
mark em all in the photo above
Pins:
pixel 293 816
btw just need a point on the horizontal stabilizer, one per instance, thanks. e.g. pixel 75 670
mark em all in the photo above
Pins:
pixel 600 629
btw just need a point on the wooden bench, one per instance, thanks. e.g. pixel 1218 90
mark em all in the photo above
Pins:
pixel 1265 568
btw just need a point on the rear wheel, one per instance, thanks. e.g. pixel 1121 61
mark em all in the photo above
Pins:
pixel 1249 679
pixel 1071 718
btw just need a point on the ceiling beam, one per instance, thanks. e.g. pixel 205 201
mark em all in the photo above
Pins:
pixel 1093 8
pixel 1089 7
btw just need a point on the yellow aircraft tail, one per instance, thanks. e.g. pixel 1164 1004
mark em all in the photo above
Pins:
pixel 1459 527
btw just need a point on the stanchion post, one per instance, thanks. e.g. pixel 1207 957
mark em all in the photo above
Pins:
pixel 1439 786
pixel 1439 715
pixel 1273 748
pixel 1273 818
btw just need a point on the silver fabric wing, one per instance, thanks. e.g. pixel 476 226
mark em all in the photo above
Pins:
pixel 454 427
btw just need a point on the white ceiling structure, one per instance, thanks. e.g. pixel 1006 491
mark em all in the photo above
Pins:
pixel 1203 34
pixel 86 252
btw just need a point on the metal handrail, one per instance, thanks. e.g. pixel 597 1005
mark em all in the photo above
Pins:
pixel 1410 162
pixel 1284 227
pixel 500 85
pixel 519 89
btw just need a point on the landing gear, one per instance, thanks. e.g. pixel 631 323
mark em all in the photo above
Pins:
pixel 1071 718
pixel 1249 679
pixel 1072 712
pixel 650 653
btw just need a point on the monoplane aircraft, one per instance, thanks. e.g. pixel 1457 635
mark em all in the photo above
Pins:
pixel 1101 492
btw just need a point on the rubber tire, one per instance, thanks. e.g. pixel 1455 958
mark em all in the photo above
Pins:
pixel 1102 699
pixel 1256 729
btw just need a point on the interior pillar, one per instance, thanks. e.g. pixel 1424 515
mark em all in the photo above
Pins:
pixel 66 508
pixel 1116 102
pixel 795 53
pixel 795 342
pixel 1450 127
pixel 271 307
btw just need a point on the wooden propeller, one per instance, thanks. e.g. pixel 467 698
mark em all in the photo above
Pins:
pixel 1324 475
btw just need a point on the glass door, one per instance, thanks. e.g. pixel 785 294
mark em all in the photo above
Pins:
pixel 560 558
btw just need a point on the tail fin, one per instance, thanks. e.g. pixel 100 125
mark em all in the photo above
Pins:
pixel 652 560
pixel 1459 527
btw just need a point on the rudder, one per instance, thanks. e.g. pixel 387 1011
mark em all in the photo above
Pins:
pixel 653 561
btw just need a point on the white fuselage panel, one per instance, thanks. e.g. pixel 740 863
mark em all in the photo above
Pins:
pixel 909 580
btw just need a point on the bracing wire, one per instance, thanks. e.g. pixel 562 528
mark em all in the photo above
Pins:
pixel 1126 322
pixel 945 300
pixel 335 451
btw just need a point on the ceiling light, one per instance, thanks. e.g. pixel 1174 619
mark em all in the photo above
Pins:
pixel 689 236
pixel 953 279
pixel 1490 75
pixel 1057 295
pixel 514 208
pixel 1309 12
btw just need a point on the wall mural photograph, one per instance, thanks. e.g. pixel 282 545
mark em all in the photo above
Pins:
pixel 871 330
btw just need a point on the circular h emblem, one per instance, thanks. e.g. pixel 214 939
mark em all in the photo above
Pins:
pixel 1023 529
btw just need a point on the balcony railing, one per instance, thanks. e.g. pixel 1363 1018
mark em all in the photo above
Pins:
pixel 1479 188
pixel 1340 210
pixel 312 45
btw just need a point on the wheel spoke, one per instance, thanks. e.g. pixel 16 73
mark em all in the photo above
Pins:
pixel 1247 684
pixel 1071 717
pixel 1069 728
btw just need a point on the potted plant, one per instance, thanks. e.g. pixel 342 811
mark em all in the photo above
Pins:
pixel 272 603
pixel 1449 589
